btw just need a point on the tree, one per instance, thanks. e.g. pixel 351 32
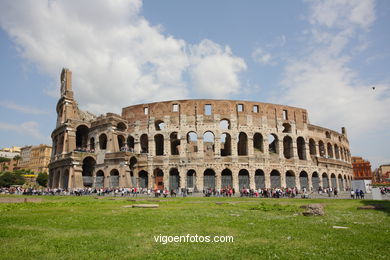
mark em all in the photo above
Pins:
pixel 3 159
pixel 11 178
pixel 42 179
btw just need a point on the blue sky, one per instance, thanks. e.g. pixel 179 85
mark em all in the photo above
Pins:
pixel 324 56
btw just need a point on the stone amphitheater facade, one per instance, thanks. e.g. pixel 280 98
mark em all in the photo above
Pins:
pixel 195 144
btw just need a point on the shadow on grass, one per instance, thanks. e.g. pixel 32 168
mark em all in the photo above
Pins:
pixel 381 205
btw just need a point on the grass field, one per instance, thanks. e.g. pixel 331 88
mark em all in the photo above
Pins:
pixel 89 228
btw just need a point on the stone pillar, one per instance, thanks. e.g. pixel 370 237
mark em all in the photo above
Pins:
pixel 183 177
pixel 297 181
pixel 307 150
pixel 78 177
pixel 309 182
pixel 235 181
pixel 151 178
pixel 199 179
pixel 218 180
pixel 295 149
pixel 283 179
pixel 137 146
pixel 267 178
pixel 217 146
pixel 183 146
pixel 152 146
pixel 251 150
pixel 252 183
pixel 234 144
pixel 110 142
pixel 167 146
pixel 166 178
pixel 200 147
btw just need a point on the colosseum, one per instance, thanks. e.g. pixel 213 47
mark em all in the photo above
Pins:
pixel 195 144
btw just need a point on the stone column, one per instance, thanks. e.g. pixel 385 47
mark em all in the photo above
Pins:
pixel 297 181
pixel 251 150
pixel 218 181
pixel 217 146
pixel 283 179
pixel 152 146
pixel 267 178
pixel 167 146
pixel 235 181
pixel 183 177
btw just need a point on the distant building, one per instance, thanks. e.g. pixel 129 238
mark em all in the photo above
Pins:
pixel 25 152
pixel 7 153
pixel 383 173
pixel 11 165
pixel 35 158
pixel 361 169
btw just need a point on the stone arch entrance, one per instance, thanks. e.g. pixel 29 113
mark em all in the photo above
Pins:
pixel 325 180
pixel 209 179
pixel 303 180
pixel 88 167
pixel 114 178
pixel 259 179
pixel 226 179
pixel 143 179
pixel 158 179
pixel 333 180
pixel 99 179
pixel 315 181
pixel 275 179
pixel 174 179
pixel 65 179
pixel 191 179
pixel 243 179
pixel 290 179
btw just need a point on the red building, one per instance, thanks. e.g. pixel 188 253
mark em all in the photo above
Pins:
pixel 361 169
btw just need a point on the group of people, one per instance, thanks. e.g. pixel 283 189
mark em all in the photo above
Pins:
pixel 357 194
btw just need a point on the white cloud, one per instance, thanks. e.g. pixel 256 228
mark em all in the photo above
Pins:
pixel 321 79
pixel 262 57
pixel 29 128
pixel 23 109
pixel 214 70
pixel 116 56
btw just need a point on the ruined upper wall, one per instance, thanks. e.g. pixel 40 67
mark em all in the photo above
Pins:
pixel 223 108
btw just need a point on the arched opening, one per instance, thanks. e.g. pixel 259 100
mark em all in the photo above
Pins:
pixel 158 179
pixel 312 147
pixel 130 143
pixel 258 143
pixel 259 179
pixel 287 147
pixel 144 142
pixel 191 179
pixel 333 180
pixel 159 142
pixel 224 124
pixel 321 147
pixel 209 179
pixel 303 180
pixel 286 128
pixel 82 137
pixel 275 179
pixel 103 142
pixel 175 143
pixel 92 144
pixel 121 143
pixel 99 179
pixel 121 127
pixel 315 180
pixel 143 179
pixel 273 144
pixel 325 180
pixel 226 144
pixel 208 143
pixel 341 182
pixel 88 167
pixel 301 145
pixel 159 125
pixel 174 179
pixel 290 179
pixel 327 134
pixel 330 151
pixel 114 178
pixel 243 179
pixel 226 179
pixel 242 146
pixel 336 152
pixel 192 142
pixel 65 180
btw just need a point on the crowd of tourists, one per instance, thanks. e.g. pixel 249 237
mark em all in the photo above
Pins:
pixel 209 192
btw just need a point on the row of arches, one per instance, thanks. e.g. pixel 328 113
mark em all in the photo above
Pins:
pixel 211 178
pixel 329 150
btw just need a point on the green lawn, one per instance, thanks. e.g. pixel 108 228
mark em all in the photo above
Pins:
pixel 89 228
